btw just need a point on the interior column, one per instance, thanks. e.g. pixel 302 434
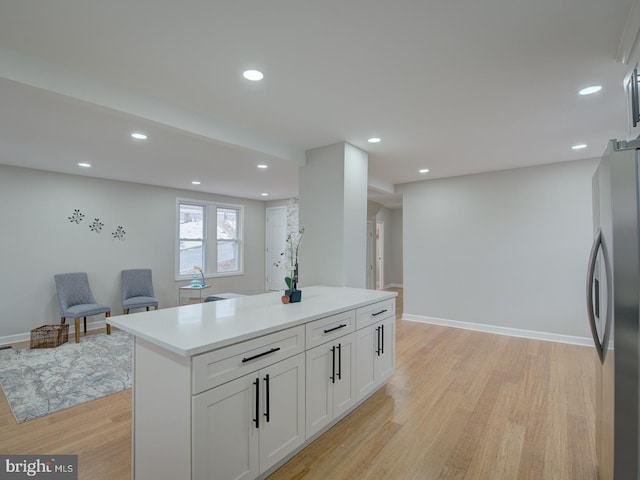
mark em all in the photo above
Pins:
pixel 333 210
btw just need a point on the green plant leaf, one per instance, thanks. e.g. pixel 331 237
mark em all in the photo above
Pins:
pixel 287 280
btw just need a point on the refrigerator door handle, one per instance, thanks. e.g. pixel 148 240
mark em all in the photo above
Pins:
pixel 597 244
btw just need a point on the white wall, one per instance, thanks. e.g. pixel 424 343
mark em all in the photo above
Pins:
pixel 38 241
pixel 506 249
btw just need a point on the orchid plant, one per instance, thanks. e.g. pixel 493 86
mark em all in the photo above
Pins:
pixel 289 260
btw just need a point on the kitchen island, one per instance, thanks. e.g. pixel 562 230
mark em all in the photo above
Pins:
pixel 234 388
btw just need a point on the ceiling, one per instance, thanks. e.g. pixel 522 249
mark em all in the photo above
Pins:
pixel 456 87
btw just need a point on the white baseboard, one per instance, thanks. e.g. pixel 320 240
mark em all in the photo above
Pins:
pixel 512 332
pixel 25 337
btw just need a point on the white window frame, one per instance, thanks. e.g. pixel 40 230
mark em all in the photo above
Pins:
pixel 210 242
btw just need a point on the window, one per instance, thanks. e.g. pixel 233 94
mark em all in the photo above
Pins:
pixel 192 244
pixel 195 225
pixel 228 259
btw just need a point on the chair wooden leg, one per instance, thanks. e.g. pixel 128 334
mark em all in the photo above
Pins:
pixel 85 325
pixel 62 320
pixel 77 320
pixel 156 307
pixel 107 315
pixel 126 311
pixel 147 309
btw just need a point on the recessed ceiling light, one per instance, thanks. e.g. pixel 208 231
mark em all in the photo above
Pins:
pixel 262 165
pixel 374 140
pixel 579 147
pixel 264 194
pixel 84 164
pixel 195 182
pixel 590 90
pixel 253 75
pixel 424 170
pixel 139 136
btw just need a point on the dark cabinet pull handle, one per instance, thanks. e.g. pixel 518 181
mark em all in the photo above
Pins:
pixel 378 340
pixel 376 314
pixel 268 410
pixel 342 325
pixel 635 111
pixel 339 361
pixel 257 419
pixel 333 365
pixel 382 340
pixel 260 355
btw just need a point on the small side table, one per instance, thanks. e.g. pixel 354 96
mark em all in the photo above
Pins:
pixel 189 288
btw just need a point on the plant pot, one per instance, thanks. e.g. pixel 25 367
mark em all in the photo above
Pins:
pixel 294 295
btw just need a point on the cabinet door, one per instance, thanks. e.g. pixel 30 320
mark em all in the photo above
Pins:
pixel 319 395
pixel 225 440
pixel 283 427
pixel 366 344
pixel 330 382
pixel 344 388
pixel 387 358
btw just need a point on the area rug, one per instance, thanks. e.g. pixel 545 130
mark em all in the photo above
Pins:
pixel 40 381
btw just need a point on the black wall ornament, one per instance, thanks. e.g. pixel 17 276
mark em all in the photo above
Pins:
pixel 119 233
pixel 76 217
pixel 96 226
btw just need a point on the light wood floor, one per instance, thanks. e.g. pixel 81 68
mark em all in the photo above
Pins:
pixel 461 404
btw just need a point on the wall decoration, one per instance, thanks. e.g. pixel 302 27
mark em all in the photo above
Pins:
pixel 76 217
pixel 119 233
pixel 96 226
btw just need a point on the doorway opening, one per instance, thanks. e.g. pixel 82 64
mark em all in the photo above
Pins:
pixel 379 255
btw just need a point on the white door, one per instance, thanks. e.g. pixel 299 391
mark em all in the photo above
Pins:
pixel 386 359
pixel 366 365
pixel 276 222
pixel 379 255
pixel 225 438
pixel 344 390
pixel 371 250
pixel 283 408
pixel 319 394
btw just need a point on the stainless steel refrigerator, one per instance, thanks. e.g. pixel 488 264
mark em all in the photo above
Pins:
pixel 613 297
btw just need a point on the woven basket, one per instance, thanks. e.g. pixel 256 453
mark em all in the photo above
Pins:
pixel 49 336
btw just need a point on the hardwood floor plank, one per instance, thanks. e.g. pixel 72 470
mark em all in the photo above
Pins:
pixel 506 463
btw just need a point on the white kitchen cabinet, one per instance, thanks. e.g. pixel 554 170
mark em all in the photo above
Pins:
pixel 282 427
pixel 375 359
pixel 244 427
pixel 330 382
pixel 225 440
pixel 329 328
pixel 200 379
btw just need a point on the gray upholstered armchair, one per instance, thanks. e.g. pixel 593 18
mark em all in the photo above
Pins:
pixel 137 290
pixel 76 300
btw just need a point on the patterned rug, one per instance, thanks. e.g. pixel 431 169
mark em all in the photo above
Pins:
pixel 40 381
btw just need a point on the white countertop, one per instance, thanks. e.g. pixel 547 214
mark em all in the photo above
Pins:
pixel 192 329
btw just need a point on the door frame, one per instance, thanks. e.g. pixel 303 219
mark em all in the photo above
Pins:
pixel 267 246
pixel 379 265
